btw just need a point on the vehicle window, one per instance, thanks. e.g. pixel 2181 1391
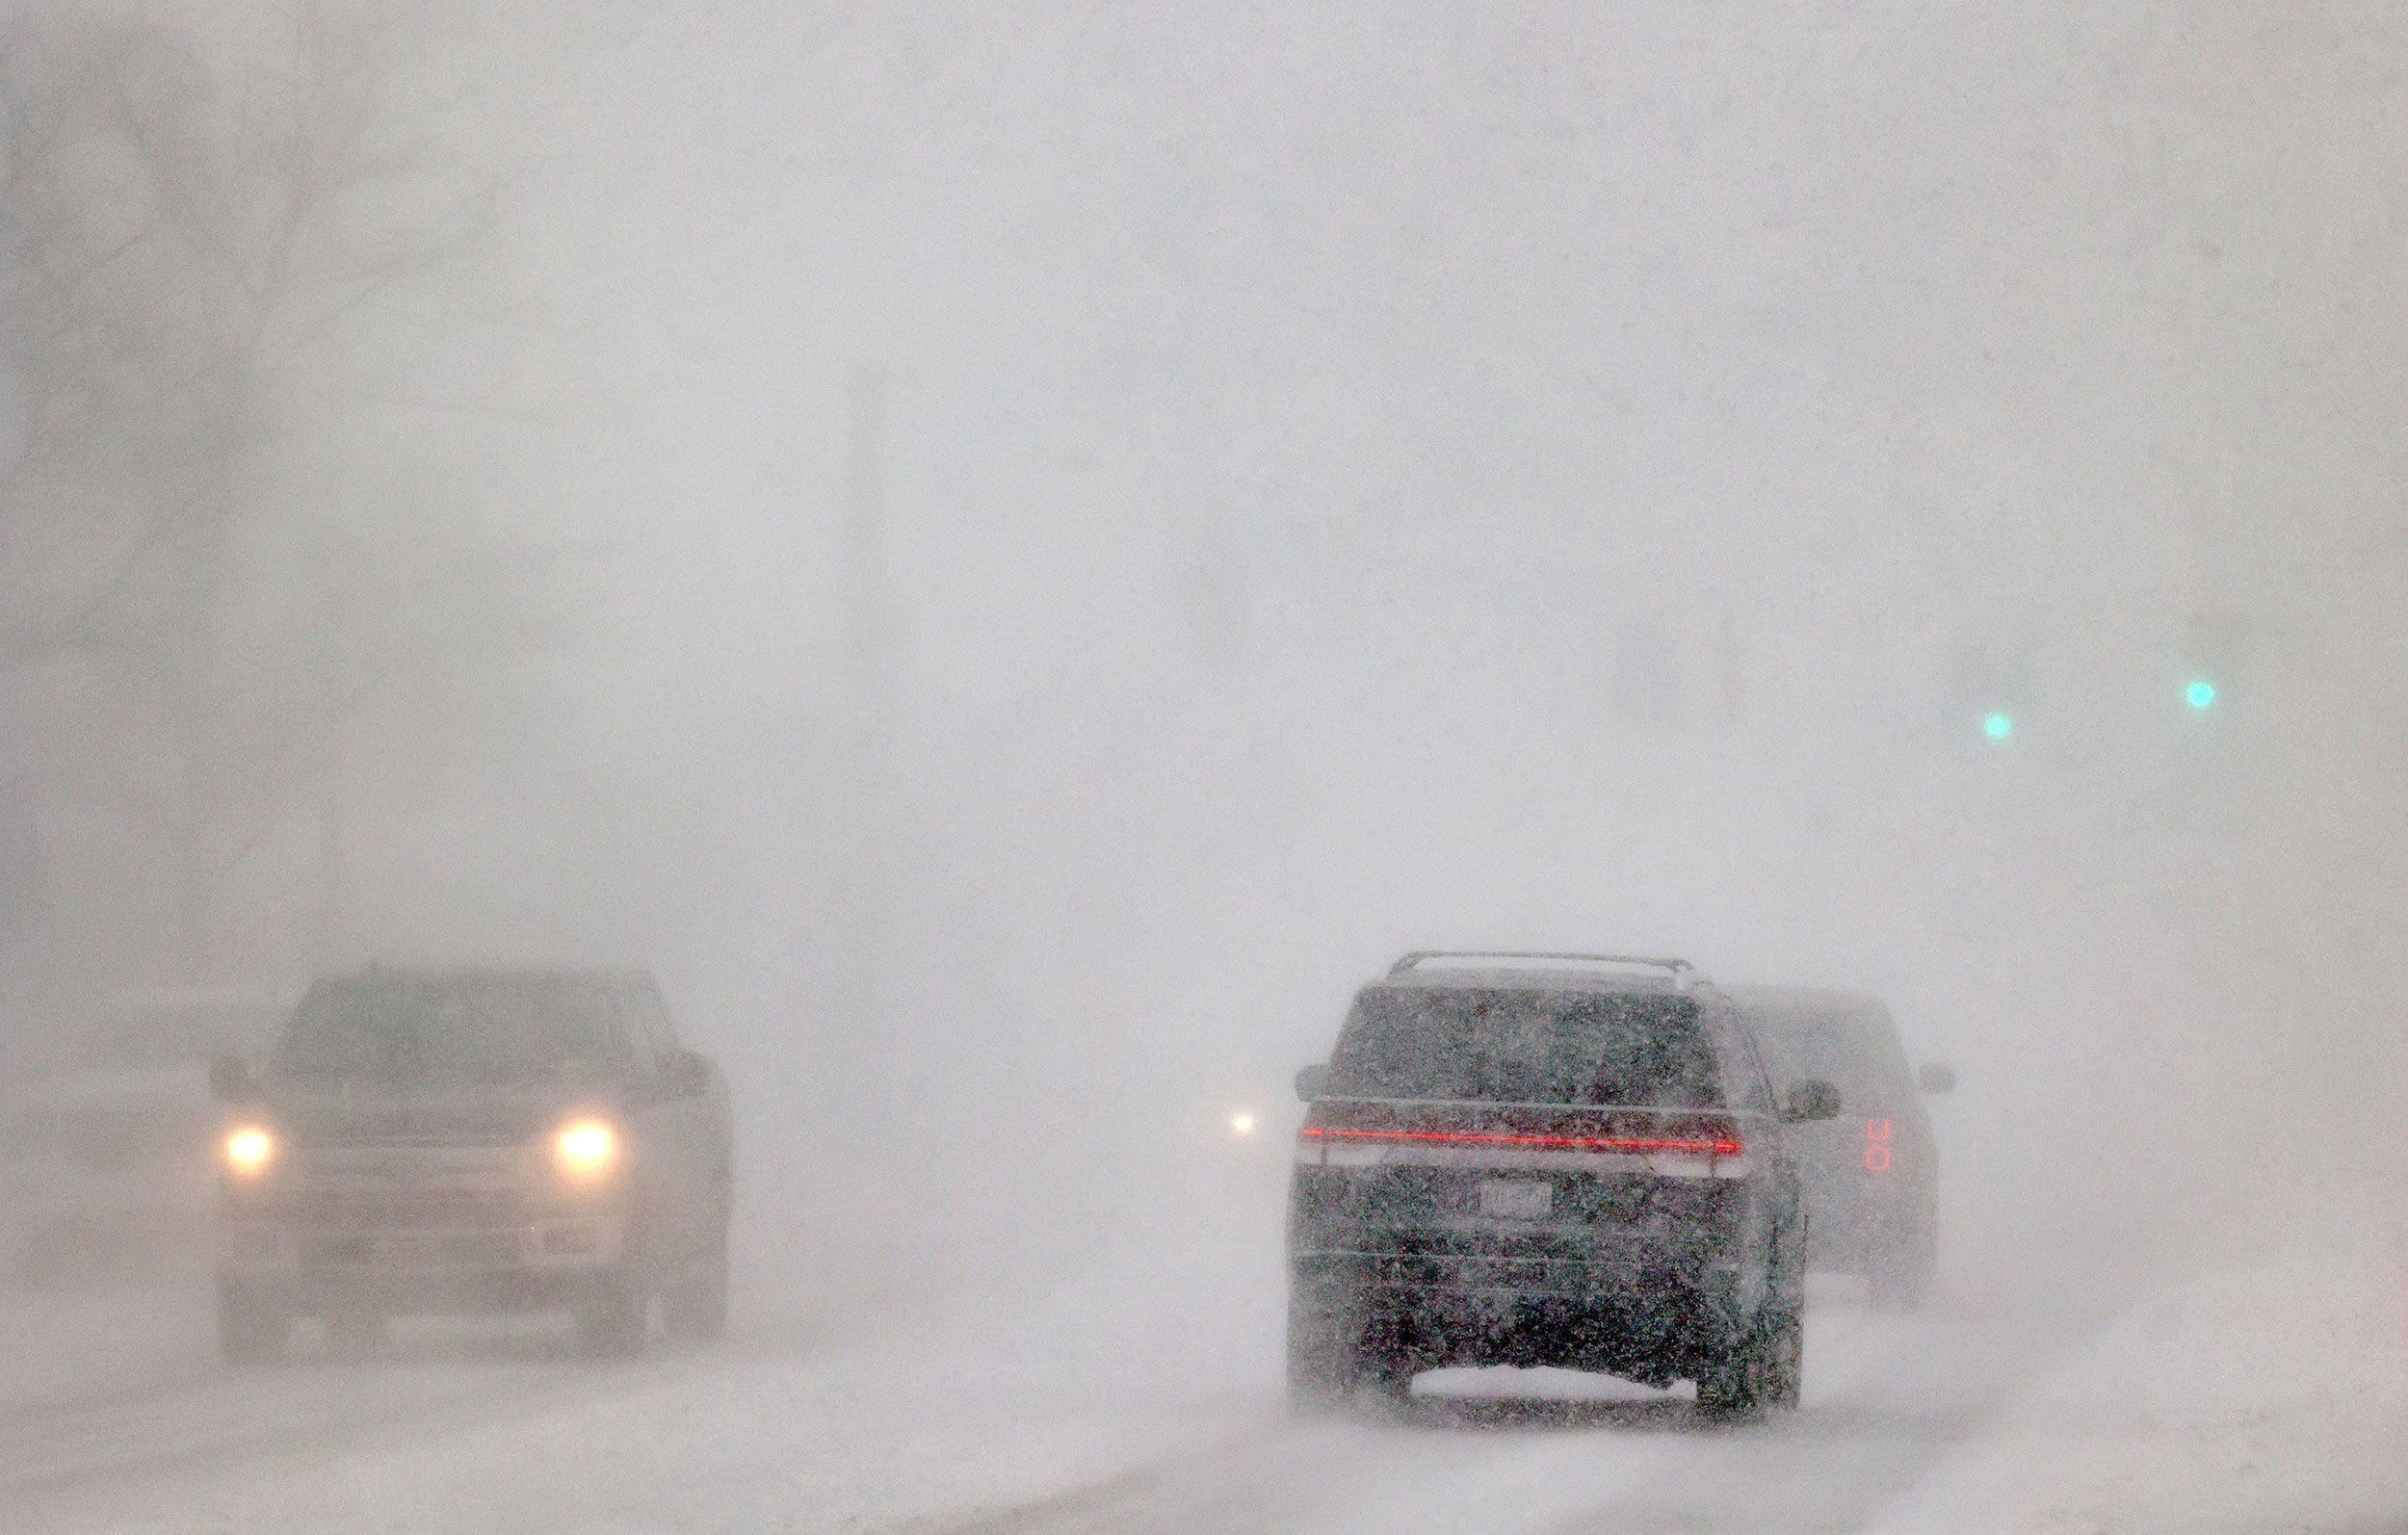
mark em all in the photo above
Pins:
pixel 1742 1073
pixel 647 1021
pixel 1839 1049
pixel 1526 1046
pixel 485 1028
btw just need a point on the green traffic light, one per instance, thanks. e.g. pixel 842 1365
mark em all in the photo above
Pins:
pixel 2200 694
pixel 1998 726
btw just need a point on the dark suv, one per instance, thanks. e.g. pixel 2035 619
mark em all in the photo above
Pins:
pixel 1872 1176
pixel 1558 1159
pixel 473 1140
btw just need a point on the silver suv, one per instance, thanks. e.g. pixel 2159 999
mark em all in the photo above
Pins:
pixel 473 1142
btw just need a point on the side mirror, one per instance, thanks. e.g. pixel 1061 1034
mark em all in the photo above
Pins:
pixel 686 1074
pixel 230 1080
pixel 1809 1102
pixel 1313 1081
pixel 1935 1077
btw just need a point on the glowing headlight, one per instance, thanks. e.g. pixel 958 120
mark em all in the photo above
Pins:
pixel 584 1149
pixel 248 1150
pixel 1241 1123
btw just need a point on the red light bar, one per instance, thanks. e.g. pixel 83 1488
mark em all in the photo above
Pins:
pixel 1479 1137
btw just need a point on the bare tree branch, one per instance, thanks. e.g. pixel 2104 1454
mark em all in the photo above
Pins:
pixel 186 269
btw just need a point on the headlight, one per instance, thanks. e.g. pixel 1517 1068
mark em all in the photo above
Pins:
pixel 248 1150
pixel 584 1149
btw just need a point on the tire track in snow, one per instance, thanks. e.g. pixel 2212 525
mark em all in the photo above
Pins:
pixel 52 1459
pixel 1104 1497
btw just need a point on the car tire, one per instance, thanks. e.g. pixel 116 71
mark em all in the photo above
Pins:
pixel 694 1310
pixel 1764 1369
pixel 612 1321
pixel 1389 1378
pixel 253 1327
pixel 1786 1355
pixel 1732 1389
pixel 1325 1352
pixel 1899 1277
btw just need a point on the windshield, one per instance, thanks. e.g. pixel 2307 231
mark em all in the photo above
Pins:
pixel 490 1029
pixel 1526 1047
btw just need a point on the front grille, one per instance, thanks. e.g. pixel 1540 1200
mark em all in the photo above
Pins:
pixel 406 1208
pixel 450 1250
pixel 410 1140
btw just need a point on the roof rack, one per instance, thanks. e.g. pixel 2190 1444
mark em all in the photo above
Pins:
pixel 1684 974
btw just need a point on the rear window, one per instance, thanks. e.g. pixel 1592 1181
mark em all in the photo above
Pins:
pixel 1853 1053
pixel 1526 1047
pixel 485 1029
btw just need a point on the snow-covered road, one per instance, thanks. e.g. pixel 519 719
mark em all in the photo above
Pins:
pixel 2253 1383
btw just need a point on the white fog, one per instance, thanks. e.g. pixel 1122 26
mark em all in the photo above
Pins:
pixel 1005 562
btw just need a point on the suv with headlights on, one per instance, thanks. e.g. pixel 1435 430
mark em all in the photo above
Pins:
pixel 1548 1160
pixel 473 1142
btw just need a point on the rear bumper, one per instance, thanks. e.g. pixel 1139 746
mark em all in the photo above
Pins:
pixel 1850 1232
pixel 1598 1277
pixel 1635 1309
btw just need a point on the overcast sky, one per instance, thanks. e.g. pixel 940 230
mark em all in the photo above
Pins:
pixel 1286 410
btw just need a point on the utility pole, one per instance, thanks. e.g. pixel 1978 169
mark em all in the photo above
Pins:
pixel 335 780
pixel 865 844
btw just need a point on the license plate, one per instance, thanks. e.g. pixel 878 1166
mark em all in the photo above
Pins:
pixel 1516 1198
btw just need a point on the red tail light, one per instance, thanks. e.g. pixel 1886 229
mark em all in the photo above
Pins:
pixel 1876 1145
pixel 1723 1145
